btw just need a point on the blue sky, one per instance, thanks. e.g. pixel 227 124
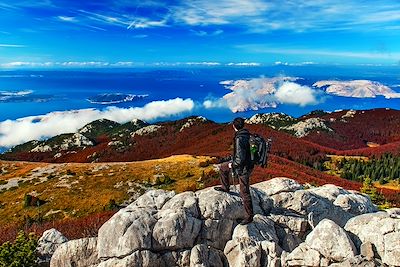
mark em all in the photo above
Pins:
pixel 124 33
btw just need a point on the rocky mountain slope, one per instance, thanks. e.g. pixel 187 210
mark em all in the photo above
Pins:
pixel 293 226
pixel 315 133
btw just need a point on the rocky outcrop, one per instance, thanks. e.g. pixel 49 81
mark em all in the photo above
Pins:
pixel 47 245
pixel 381 230
pixel 303 128
pixel 293 226
pixel 76 253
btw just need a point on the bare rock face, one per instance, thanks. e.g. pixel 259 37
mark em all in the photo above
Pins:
pixel 254 244
pixel 303 255
pixel 48 243
pixel 278 185
pixel 355 203
pixel 136 259
pixel 292 226
pixel 206 256
pixel 76 253
pixel 175 230
pixel 262 229
pixel 126 232
pixel 243 252
pixel 176 258
pixel 216 205
pixel 382 230
pixel 331 241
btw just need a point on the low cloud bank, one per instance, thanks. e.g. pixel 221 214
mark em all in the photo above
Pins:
pixel 14 132
pixel 261 93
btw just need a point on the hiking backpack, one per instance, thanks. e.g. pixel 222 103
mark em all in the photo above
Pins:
pixel 259 149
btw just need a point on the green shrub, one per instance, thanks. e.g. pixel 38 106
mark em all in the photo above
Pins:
pixel 21 253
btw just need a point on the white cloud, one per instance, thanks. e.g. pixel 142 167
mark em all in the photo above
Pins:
pixel 244 64
pixel 14 132
pixel 258 93
pixel 293 93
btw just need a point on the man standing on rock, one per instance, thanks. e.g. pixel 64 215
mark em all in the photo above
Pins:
pixel 239 165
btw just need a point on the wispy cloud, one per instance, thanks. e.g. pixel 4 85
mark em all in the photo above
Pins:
pixel 255 16
pixel 260 48
pixel 203 33
pixel 14 132
pixel 66 18
pixel 141 23
pixel 12 45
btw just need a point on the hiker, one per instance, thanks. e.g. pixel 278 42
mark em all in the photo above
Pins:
pixel 240 166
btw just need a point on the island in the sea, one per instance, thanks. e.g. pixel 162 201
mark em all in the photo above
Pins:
pixel 114 98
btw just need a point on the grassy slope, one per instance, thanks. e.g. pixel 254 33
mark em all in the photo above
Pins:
pixel 78 189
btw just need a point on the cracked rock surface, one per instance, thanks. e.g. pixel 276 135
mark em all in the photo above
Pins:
pixel 293 226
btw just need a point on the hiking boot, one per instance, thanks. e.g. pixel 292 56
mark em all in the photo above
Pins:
pixel 246 221
pixel 221 189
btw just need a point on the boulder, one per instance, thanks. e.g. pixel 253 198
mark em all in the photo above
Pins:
pixel 176 258
pixel 48 243
pixel 306 203
pixel 270 254
pixel 142 258
pixel 218 205
pixel 261 229
pixel 262 203
pixel 127 231
pixel 291 229
pixel 186 201
pixel 331 241
pixel 303 255
pixel 294 222
pixel 216 232
pixel 76 253
pixel 328 191
pixel 278 185
pixel 206 256
pixel 243 253
pixel 355 204
pixel 392 248
pixel 174 230
pixel 154 199
pixel 381 230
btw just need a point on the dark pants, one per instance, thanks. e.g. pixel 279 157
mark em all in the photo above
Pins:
pixel 244 182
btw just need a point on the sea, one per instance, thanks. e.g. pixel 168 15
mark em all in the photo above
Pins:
pixel 35 92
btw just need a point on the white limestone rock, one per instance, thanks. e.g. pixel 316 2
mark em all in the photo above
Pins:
pixel 331 241
pixel 76 253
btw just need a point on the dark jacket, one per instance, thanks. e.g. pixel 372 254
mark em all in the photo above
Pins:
pixel 241 158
